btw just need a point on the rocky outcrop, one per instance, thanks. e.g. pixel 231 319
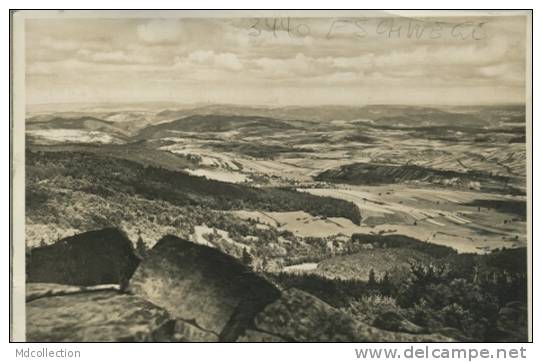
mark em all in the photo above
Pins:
pixel 182 292
pixel 301 317
pixel 103 316
pixel 199 283
pixel 95 257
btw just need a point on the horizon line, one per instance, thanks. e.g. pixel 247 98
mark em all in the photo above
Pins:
pixel 269 105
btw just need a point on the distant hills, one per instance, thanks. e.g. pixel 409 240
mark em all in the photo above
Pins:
pixel 73 130
pixel 78 123
pixel 348 113
pixel 216 123
pixel 137 124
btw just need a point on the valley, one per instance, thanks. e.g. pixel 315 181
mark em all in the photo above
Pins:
pixel 311 197
pixel 409 170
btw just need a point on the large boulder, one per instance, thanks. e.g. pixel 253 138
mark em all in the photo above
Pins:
pixel 95 257
pixel 199 283
pixel 301 317
pixel 103 316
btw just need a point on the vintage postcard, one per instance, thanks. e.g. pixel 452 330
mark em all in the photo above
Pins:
pixel 271 176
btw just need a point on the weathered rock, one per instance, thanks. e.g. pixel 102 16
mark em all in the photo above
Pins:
pixel 196 282
pixel 188 332
pixel 40 290
pixel 302 317
pixel 256 336
pixel 392 321
pixel 95 257
pixel 104 316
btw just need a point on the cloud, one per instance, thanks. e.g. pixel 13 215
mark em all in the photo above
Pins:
pixel 160 31
pixel 506 73
pixel 293 67
pixel 228 61
pixel 494 70
pixel 59 44
pixel 54 67
pixel 211 53
pixel 210 60
pixel 117 56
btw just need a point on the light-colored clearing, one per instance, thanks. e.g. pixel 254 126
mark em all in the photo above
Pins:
pixel 300 267
pixel 219 175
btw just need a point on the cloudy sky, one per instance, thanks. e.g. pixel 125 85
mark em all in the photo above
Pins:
pixel 278 61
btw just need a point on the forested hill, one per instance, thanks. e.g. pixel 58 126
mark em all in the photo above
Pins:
pixel 106 176
pixel 217 123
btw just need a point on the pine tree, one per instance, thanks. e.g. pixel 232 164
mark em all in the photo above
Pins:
pixel 141 247
pixel 372 279
pixel 385 285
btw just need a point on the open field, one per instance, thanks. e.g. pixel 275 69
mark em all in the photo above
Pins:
pixel 435 215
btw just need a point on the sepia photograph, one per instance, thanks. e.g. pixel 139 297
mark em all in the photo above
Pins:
pixel 271 176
